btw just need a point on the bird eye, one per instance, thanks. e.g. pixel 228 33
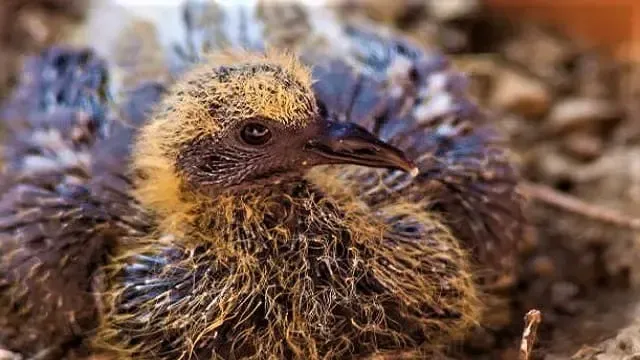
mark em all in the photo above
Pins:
pixel 255 134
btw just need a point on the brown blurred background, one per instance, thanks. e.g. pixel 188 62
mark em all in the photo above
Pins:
pixel 571 115
pixel 612 24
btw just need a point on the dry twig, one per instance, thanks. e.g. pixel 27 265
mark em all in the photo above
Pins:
pixel 572 204
pixel 532 320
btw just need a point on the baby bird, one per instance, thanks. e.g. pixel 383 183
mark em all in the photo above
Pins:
pixel 251 258
pixel 234 252
pixel 260 210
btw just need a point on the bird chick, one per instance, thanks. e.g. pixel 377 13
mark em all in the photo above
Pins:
pixel 250 258
pixel 251 215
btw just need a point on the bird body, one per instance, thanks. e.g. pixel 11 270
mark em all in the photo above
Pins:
pixel 252 207
pixel 331 283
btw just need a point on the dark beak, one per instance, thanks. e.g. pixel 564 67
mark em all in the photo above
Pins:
pixel 348 143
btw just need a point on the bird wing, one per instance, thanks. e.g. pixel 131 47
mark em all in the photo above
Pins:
pixel 54 117
pixel 63 196
pixel 414 100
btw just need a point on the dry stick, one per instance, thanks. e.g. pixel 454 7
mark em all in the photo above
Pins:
pixel 532 320
pixel 563 201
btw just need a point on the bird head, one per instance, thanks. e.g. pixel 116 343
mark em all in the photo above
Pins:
pixel 242 120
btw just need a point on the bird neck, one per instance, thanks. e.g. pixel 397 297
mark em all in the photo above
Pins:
pixel 182 211
pixel 198 217
pixel 272 209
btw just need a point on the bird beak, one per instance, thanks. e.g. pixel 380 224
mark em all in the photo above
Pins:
pixel 348 143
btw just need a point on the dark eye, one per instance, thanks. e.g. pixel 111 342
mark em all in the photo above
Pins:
pixel 255 134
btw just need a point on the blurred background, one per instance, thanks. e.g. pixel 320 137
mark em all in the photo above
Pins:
pixel 561 79
pixel 613 25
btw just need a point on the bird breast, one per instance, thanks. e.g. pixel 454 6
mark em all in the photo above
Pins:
pixel 335 279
